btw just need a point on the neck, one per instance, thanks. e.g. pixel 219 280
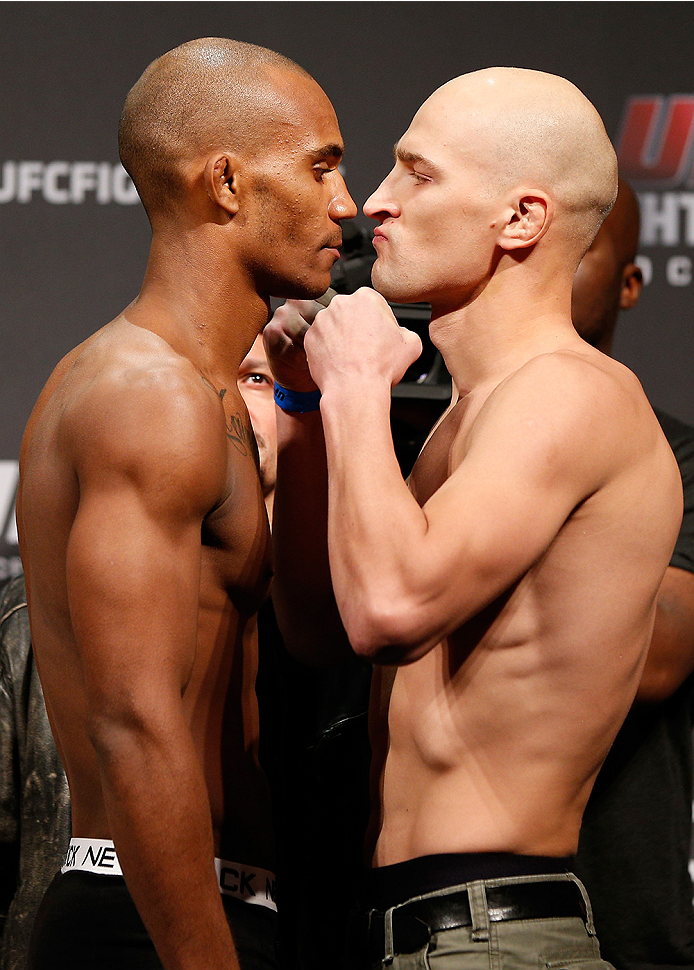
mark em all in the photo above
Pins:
pixel 514 318
pixel 197 296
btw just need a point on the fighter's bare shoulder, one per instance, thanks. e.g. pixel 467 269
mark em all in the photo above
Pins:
pixel 561 429
pixel 137 410
pixel 574 408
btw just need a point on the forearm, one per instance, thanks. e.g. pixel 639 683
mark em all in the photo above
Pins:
pixel 302 589
pixel 376 529
pixel 670 658
pixel 159 815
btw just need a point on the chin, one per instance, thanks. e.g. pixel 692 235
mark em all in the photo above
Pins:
pixel 394 290
pixel 300 289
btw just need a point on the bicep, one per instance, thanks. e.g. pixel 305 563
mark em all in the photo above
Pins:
pixel 133 587
pixel 533 456
pixel 492 520
pixel 149 455
pixel 475 537
pixel 133 558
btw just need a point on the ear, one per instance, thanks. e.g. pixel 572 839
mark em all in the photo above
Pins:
pixel 527 220
pixel 222 182
pixel 632 284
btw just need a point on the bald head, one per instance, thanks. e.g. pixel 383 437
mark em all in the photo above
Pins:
pixel 206 94
pixel 536 130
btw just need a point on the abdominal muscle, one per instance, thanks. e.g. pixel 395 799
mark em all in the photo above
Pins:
pixel 483 760
pixel 223 711
pixel 220 705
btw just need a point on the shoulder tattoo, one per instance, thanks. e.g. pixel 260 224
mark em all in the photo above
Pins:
pixel 238 432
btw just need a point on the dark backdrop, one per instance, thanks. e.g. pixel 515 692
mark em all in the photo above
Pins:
pixel 73 238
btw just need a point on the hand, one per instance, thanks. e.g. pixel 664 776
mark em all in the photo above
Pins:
pixel 358 338
pixel 283 338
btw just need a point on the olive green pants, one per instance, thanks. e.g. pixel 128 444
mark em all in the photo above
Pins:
pixel 537 944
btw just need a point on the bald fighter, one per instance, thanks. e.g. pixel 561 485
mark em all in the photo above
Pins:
pixel 507 595
pixel 142 526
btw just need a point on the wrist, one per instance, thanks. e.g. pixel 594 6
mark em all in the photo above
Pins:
pixel 296 401
pixel 341 388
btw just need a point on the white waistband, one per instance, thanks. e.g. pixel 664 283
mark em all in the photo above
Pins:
pixel 250 884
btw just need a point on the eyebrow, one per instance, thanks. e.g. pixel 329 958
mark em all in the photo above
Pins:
pixel 253 364
pixel 413 158
pixel 330 151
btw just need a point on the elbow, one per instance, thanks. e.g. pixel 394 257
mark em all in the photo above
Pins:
pixel 116 734
pixel 390 632
pixel 105 733
pixel 657 685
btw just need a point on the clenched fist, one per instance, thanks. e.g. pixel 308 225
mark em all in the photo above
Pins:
pixel 283 338
pixel 357 338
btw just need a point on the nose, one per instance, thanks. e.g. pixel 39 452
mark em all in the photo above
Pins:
pixel 381 205
pixel 342 205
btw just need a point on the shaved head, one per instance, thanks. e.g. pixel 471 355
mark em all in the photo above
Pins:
pixel 207 94
pixel 499 169
pixel 536 130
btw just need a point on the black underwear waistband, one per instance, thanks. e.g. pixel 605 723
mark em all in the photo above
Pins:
pixel 389 886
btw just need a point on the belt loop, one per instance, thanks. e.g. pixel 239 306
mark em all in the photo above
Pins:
pixel 477 897
pixel 590 925
pixel 388 955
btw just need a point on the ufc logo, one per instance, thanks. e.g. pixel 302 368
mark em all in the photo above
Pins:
pixel 656 140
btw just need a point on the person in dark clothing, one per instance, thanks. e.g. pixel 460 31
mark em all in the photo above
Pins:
pixel 34 796
pixel 635 840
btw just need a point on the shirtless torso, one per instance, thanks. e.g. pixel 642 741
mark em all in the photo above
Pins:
pixel 543 675
pixel 146 547
pixel 142 522
pixel 508 595
pixel 124 429
pixel 509 610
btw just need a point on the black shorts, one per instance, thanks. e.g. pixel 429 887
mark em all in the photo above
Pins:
pixel 89 922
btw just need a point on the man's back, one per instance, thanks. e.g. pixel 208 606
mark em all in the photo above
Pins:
pixel 534 679
pixel 638 819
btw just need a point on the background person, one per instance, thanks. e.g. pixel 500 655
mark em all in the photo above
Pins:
pixel 314 746
pixel 635 839
pixel 256 384
pixel 34 795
